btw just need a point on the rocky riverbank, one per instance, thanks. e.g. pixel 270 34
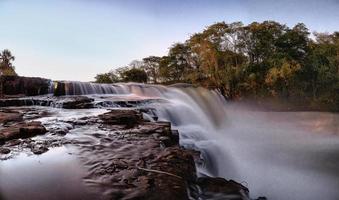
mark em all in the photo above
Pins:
pixel 125 156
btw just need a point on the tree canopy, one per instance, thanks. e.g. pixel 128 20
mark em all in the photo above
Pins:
pixel 257 60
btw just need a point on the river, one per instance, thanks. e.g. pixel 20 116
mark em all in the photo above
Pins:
pixel 279 155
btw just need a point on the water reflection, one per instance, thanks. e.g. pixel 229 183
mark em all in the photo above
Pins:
pixel 53 175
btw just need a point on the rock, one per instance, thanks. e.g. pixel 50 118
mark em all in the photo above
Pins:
pixel 211 187
pixel 175 136
pixel 12 102
pixel 10 116
pixel 131 162
pixel 22 130
pixel 29 86
pixel 2 139
pixel 39 149
pixel 166 141
pixel 4 151
pixel 176 161
pixel 59 90
pixel 14 142
pixel 39 101
pixel 128 118
pixel 77 102
pixel 32 128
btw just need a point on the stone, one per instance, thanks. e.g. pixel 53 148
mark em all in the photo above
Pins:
pixel 212 186
pixel 77 102
pixel 22 130
pixel 32 129
pixel 59 89
pixel 4 151
pixel 27 86
pixel 39 149
pixel 128 118
pixel 10 116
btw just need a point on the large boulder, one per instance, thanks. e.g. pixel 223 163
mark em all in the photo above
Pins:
pixel 28 86
pixel 128 118
pixel 22 130
pixel 76 102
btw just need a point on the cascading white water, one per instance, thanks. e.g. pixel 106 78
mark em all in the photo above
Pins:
pixel 281 156
pixel 84 88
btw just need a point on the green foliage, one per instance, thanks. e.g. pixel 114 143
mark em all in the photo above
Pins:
pixel 106 78
pixel 150 65
pixel 258 60
pixel 6 66
pixel 123 74
pixel 134 75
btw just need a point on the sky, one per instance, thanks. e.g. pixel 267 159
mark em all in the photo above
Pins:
pixel 77 39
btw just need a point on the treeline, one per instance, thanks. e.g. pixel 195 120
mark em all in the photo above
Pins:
pixel 259 60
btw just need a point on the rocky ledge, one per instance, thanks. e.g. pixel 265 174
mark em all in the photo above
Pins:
pixel 126 156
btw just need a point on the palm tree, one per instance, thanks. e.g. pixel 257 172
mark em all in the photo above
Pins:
pixel 6 59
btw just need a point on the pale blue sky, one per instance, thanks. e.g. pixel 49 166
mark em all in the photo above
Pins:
pixel 76 39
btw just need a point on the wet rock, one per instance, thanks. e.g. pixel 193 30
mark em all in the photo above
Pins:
pixel 13 102
pixel 4 151
pixel 22 130
pixel 166 141
pixel 14 142
pixel 31 129
pixel 39 149
pixel 59 127
pixel 212 187
pixel 10 116
pixel 130 163
pixel 77 102
pixel 177 161
pixel 2 139
pixel 59 89
pixel 128 118
pixel 80 122
pixel 175 136
pixel 26 101
pixel 34 114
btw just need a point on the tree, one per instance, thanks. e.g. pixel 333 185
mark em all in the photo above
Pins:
pixel 151 66
pixel 134 75
pixel 109 77
pixel 258 60
pixel 321 73
pixel 6 66
pixel 177 66
pixel 220 60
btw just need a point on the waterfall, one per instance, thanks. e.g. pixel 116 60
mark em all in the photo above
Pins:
pixel 276 154
pixel 85 88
